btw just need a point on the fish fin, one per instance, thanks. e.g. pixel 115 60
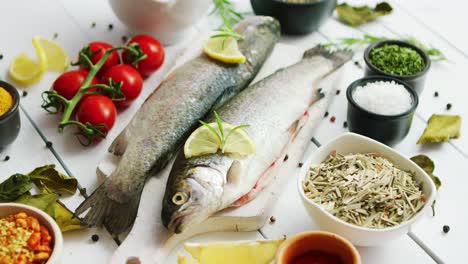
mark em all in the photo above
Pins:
pixel 338 57
pixel 116 216
pixel 119 145
pixel 234 172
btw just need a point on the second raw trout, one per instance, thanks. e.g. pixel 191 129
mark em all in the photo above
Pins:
pixel 275 109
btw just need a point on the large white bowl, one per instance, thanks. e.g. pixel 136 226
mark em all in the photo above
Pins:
pixel 362 236
pixel 7 209
pixel 167 20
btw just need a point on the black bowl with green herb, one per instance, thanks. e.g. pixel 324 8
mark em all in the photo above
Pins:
pixel 296 16
pixel 398 59
pixel 10 121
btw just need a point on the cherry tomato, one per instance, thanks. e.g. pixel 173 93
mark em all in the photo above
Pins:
pixel 68 83
pixel 153 50
pixel 97 109
pixel 100 48
pixel 132 82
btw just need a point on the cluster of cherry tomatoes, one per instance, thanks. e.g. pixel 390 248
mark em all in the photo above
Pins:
pixel 98 108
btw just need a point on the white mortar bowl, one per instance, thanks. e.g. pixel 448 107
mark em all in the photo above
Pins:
pixel 363 236
pixel 7 209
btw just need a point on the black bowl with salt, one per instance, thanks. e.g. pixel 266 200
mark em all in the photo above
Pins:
pixel 381 108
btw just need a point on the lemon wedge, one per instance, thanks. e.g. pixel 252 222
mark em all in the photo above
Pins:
pixel 26 71
pixel 224 49
pixel 57 58
pixel 203 141
pixel 258 252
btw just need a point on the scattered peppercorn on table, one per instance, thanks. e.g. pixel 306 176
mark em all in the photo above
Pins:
pixel 440 238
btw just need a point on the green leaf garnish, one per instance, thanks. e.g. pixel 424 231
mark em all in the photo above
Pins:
pixel 229 16
pixel 357 15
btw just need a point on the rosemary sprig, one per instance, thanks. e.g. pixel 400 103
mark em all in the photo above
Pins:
pixel 221 133
pixel 229 16
pixel 354 43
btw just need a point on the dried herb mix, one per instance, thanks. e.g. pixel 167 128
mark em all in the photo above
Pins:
pixel 364 189
pixel 397 60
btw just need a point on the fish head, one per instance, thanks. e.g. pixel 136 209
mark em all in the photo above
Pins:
pixel 193 196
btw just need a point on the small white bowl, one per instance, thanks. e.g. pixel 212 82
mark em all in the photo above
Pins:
pixel 7 209
pixel 363 236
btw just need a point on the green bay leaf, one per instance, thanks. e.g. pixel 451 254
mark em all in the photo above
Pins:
pixel 441 128
pixel 357 15
pixel 47 179
pixel 13 187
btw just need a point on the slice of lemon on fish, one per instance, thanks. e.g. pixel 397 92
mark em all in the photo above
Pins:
pixel 261 252
pixel 224 49
pixel 57 58
pixel 203 141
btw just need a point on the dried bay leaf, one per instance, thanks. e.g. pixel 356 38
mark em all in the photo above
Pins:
pixel 441 128
pixel 13 187
pixel 428 166
pixel 46 178
pixel 65 219
pixel 357 15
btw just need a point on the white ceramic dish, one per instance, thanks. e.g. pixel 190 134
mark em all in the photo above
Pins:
pixel 167 20
pixel 362 236
pixel 7 209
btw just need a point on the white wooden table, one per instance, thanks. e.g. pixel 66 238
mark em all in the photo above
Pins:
pixel 441 24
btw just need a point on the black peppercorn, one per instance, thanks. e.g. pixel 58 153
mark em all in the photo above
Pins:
pixel 93 25
pixel 7 158
pixel 446 229
pixel 326 114
pixel 338 92
pixel 300 164
pixel 449 106
pixel 25 93
pixel 111 26
pixel 55 35
pixel 436 94
pixel 1 56
pixel 124 39
pixel 95 237
pixel 286 157
pixel 48 144
pixel 272 219
pixel 345 124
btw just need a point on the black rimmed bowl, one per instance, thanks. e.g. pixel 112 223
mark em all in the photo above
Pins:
pixel 387 129
pixel 296 18
pixel 10 123
pixel 416 81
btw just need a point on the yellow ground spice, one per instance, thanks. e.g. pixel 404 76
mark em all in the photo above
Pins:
pixel 6 101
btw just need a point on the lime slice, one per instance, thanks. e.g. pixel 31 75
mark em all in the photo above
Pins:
pixel 261 252
pixel 203 141
pixel 223 49
pixel 57 58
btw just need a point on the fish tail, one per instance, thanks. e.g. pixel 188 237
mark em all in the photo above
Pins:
pixel 101 209
pixel 339 57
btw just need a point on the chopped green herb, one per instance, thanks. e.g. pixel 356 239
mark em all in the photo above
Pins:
pixel 229 16
pixel 398 60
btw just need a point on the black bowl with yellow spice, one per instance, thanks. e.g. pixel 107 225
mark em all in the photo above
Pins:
pixel 398 59
pixel 9 114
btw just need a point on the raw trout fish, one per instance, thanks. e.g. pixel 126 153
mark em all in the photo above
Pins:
pixel 165 119
pixel 276 109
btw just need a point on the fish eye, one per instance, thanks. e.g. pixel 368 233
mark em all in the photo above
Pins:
pixel 179 198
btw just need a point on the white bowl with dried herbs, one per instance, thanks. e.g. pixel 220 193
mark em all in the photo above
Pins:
pixel 364 190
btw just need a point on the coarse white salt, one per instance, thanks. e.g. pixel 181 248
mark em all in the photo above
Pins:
pixel 383 97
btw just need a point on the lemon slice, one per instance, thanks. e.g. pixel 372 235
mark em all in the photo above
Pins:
pixel 223 49
pixel 57 58
pixel 259 252
pixel 26 71
pixel 203 141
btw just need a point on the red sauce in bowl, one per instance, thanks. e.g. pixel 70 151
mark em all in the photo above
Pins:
pixel 317 257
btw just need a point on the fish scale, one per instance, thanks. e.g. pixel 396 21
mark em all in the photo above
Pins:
pixel 165 119
pixel 275 109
